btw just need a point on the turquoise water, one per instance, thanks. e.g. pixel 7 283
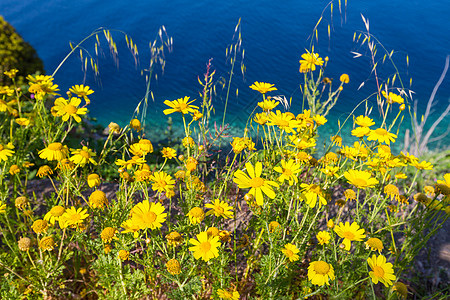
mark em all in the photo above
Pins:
pixel 274 37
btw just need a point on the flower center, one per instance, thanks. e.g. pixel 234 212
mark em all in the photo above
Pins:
pixel 288 253
pixel 55 146
pixel 321 267
pixel 70 109
pixel 348 235
pixel 287 172
pixel 85 154
pixel 256 182
pixel 1 148
pixel 283 123
pixel 315 189
pixel 75 217
pixel 205 246
pixel 219 209
pixel 381 131
pixel 182 106
pixel 378 271
pixel 197 212
pixel 57 211
pixel 149 217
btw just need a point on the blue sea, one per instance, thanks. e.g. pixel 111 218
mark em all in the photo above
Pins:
pixel 274 35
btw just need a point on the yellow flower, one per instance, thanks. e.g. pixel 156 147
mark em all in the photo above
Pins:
pixel 220 209
pixel 14 169
pixel 361 131
pixel 274 226
pixel 263 87
pixel 290 251
pixel 191 164
pixel 54 151
pixel 136 125
pixel 98 199
pixel 364 121
pixel 349 233
pixel 344 78
pixel 131 225
pixel 44 171
pixel 205 247
pixel 285 121
pixel 47 243
pixel 114 128
pixel 310 61
pixel 93 180
pixel 423 165
pixel 39 226
pixel 11 73
pixel 6 151
pixel 392 98
pixel 108 234
pixel 197 115
pixel 212 231
pixel 375 244
pixel 149 215
pixel 382 136
pixel 82 156
pixel 54 214
pixel 257 184
pixel 82 92
pixel 360 179
pixel 66 109
pixel 181 105
pixel 24 244
pixel 23 121
pixel 162 182
pixel 196 215
pixel 401 289
pixel 320 272
pixel 261 118
pixel 21 202
pixel 350 194
pixel 224 235
pixel 312 193
pixel 173 266
pixel 2 207
pixel 169 153
pixel 392 191
pixel 381 271
pixel 73 217
pixel 320 120
pixel 226 294
pixel 174 239
pixel 123 255
pixel 323 237
pixel 268 104
pixel 288 171
pixel 443 186
pixel 337 140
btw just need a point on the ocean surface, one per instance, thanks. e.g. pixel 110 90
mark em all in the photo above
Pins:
pixel 274 35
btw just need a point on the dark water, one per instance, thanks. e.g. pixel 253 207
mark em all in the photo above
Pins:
pixel 274 37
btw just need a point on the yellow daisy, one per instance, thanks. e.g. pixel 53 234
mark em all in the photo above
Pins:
pixel 226 294
pixel 310 61
pixel 148 214
pixel 268 105
pixel 82 156
pixel 349 233
pixel 375 244
pixel 257 184
pixel 196 215
pixel 2 207
pixel 181 105
pixel 323 237
pixel 220 209
pixel 82 91
pixel 93 180
pixel 288 171
pixel 169 153
pixel 162 182
pixel 320 272
pixel 44 171
pixel 312 193
pixel 381 271
pixel 54 214
pixel 6 151
pixel 364 121
pixel 360 179
pixel 73 217
pixel 290 251
pixel 263 87
pixel 285 121
pixel 205 247
pixel 66 109
pixel 54 151
pixel 382 136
